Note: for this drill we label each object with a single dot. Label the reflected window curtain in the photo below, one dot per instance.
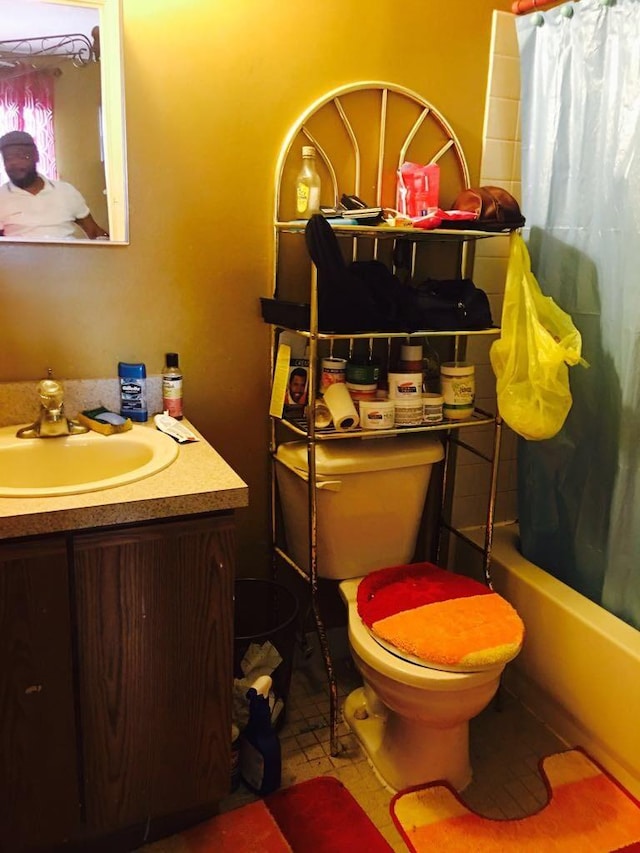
(26, 103)
(579, 493)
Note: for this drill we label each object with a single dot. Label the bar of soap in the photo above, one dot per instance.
(103, 421)
(109, 418)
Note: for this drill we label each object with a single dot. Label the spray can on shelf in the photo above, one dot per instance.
(172, 386)
(260, 757)
(308, 185)
(332, 370)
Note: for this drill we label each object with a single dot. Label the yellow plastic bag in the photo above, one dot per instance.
(530, 359)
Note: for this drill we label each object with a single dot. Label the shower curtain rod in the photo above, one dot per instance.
(521, 7)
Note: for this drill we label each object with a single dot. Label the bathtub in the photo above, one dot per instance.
(579, 669)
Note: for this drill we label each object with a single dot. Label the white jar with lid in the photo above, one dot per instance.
(432, 408)
(377, 414)
(408, 411)
(403, 386)
(457, 381)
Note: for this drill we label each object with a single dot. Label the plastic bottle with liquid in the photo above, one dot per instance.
(410, 358)
(260, 756)
(308, 185)
(172, 386)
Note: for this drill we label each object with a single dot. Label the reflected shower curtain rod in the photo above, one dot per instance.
(77, 47)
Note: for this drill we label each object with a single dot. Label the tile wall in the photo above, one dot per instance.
(500, 167)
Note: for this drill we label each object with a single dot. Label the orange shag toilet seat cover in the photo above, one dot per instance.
(445, 620)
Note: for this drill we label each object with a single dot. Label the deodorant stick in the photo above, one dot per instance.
(133, 391)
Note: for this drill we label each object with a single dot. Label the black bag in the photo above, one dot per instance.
(365, 296)
(362, 296)
(452, 304)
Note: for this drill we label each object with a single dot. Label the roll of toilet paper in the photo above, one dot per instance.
(343, 413)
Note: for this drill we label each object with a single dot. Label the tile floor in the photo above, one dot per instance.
(506, 746)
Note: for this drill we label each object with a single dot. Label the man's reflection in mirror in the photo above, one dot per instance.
(34, 207)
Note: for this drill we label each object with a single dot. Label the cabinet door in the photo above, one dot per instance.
(39, 803)
(155, 668)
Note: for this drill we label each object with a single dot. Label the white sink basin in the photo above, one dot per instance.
(45, 467)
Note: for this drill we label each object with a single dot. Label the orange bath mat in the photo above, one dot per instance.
(587, 812)
(319, 815)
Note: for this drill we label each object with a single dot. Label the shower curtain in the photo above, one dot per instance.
(579, 493)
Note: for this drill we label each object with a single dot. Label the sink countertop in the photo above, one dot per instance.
(198, 481)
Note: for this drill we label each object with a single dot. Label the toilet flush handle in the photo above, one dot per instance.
(329, 485)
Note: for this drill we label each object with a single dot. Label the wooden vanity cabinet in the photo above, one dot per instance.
(154, 630)
(39, 793)
(136, 735)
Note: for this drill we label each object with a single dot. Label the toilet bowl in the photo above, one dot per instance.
(412, 720)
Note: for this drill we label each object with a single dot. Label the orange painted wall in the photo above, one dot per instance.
(212, 88)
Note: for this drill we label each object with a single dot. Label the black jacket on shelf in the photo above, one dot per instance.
(365, 296)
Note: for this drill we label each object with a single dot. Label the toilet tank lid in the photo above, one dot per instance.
(353, 456)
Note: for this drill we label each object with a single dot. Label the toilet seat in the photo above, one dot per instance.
(394, 666)
(407, 656)
(437, 619)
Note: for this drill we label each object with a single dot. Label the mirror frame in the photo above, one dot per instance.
(112, 120)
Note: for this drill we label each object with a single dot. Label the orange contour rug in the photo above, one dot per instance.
(588, 812)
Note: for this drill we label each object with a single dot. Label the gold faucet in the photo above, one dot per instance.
(52, 422)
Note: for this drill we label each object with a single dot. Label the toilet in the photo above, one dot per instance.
(415, 631)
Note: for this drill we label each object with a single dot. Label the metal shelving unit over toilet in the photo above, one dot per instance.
(337, 117)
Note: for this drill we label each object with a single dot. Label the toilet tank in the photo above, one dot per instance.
(370, 496)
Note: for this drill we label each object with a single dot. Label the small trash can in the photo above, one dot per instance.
(266, 612)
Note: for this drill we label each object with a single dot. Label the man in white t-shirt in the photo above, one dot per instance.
(34, 207)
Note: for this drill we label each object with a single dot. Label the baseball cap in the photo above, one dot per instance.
(16, 137)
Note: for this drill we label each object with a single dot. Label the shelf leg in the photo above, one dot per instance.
(313, 561)
(488, 533)
(331, 678)
(446, 503)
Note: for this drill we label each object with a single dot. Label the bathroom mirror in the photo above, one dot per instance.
(76, 47)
